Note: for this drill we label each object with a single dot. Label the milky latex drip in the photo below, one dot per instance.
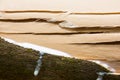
(100, 75)
(67, 24)
(39, 63)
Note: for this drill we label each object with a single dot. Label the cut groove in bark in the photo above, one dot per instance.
(50, 11)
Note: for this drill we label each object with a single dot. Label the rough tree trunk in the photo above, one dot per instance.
(17, 63)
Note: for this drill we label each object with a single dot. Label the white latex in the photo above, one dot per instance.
(39, 48)
(104, 65)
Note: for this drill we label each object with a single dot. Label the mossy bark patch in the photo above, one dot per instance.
(17, 63)
(62, 68)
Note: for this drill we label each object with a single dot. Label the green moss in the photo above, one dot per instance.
(17, 63)
(68, 69)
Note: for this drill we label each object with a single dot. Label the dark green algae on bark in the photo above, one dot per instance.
(18, 63)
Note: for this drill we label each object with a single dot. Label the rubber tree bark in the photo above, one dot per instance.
(17, 63)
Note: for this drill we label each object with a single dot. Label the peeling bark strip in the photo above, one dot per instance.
(17, 63)
(73, 13)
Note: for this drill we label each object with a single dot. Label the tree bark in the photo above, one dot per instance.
(17, 63)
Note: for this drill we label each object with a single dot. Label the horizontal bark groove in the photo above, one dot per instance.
(71, 33)
(99, 43)
(30, 20)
